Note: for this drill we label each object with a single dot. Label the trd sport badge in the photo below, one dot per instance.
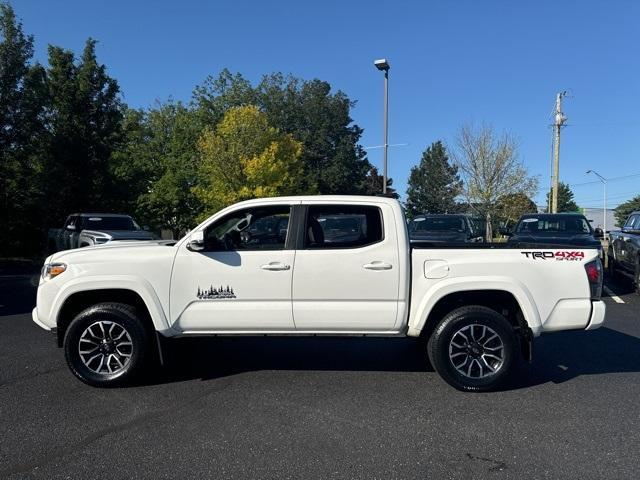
(570, 255)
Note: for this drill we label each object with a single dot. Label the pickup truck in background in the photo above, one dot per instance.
(623, 255)
(315, 265)
(446, 228)
(88, 229)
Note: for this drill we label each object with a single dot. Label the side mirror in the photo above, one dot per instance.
(196, 242)
(71, 227)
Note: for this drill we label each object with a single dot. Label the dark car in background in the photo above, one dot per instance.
(571, 229)
(623, 257)
(446, 228)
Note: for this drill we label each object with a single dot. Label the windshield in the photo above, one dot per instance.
(437, 224)
(543, 225)
(108, 223)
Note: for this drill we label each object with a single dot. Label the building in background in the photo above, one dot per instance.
(596, 218)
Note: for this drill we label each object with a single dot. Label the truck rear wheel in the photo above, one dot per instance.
(106, 345)
(473, 348)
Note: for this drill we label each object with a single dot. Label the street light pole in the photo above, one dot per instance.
(384, 66)
(604, 209)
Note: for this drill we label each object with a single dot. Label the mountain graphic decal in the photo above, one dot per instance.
(212, 293)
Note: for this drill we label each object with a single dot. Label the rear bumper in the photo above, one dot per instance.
(598, 310)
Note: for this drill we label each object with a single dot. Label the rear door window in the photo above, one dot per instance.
(342, 226)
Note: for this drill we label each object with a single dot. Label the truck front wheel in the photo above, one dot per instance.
(473, 348)
(106, 344)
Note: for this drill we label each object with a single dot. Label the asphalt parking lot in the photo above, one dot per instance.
(321, 408)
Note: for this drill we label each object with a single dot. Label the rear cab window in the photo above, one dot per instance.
(342, 226)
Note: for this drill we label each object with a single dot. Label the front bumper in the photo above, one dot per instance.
(598, 310)
(34, 317)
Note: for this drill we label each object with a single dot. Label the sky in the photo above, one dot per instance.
(499, 63)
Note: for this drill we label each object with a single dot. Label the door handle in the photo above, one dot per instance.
(275, 266)
(377, 266)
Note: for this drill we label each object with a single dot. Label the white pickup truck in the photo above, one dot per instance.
(317, 265)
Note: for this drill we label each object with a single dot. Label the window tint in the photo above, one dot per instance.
(251, 229)
(107, 223)
(342, 226)
(633, 223)
(438, 224)
(561, 224)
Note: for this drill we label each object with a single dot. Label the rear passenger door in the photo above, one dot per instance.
(346, 276)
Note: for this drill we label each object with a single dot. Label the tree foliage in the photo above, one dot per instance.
(490, 170)
(623, 210)
(155, 167)
(512, 206)
(373, 184)
(69, 143)
(565, 199)
(22, 93)
(245, 158)
(434, 184)
(332, 160)
(84, 127)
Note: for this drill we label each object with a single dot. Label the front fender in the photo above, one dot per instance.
(134, 283)
(461, 284)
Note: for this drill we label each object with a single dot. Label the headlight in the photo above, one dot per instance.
(51, 270)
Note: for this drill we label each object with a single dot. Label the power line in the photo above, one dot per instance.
(613, 179)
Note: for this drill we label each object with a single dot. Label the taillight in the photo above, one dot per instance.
(594, 275)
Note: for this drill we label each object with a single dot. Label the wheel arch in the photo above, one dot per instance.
(498, 295)
(75, 297)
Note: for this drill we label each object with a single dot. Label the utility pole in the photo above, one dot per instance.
(557, 125)
(383, 65)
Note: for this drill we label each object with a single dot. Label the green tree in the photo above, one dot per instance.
(22, 99)
(332, 160)
(434, 184)
(491, 170)
(245, 158)
(623, 210)
(511, 207)
(565, 199)
(155, 167)
(373, 184)
(85, 125)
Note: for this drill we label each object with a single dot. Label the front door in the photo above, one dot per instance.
(347, 270)
(241, 281)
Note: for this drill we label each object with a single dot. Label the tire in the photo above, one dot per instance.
(114, 341)
(484, 360)
(611, 266)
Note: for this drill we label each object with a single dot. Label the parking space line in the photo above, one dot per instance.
(615, 297)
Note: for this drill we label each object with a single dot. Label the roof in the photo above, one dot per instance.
(325, 198)
(547, 215)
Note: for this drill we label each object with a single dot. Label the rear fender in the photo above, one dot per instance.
(455, 285)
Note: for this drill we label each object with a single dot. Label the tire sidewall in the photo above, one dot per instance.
(452, 323)
(125, 318)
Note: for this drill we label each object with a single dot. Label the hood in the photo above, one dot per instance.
(435, 237)
(111, 250)
(122, 234)
(579, 240)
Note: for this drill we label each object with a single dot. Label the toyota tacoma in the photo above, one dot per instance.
(283, 266)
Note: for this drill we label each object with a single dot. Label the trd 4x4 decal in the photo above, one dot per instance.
(570, 255)
(215, 293)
